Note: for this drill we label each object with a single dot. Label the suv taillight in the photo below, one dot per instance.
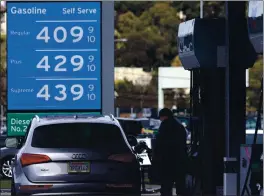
(29, 159)
(125, 158)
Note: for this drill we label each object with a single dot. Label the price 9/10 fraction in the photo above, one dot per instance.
(77, 61)
(76, 90)
(76, 32)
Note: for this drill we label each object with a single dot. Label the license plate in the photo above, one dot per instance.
(78, 167)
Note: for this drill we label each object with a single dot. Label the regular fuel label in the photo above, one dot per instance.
(54, 55)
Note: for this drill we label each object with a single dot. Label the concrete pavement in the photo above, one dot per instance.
(6, 192)
(148, 186)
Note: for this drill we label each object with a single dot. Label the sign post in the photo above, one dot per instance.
(58, 58)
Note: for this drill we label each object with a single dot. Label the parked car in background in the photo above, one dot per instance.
(250, 136)
(185, 120)
(6, 159)
(3, 135)
(251, 123)
(3, 131)
(133, 126)
(2, 141)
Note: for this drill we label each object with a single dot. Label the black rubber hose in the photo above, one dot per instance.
(191, 111)
(258, 123)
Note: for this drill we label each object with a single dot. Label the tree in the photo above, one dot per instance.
(151, 36)
(191, 9)
(151, 29)
(3, 69)
(130, 95)
(3, 55)
(136, 7)
(253, 91)
(176, 62)
(124, 86)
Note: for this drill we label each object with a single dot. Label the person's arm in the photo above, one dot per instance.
(155, 148)
(158, 148)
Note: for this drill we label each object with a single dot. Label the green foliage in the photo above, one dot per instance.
(151, 29)
(137, 95)
(151, 36)
(137, 7)
(176, 62)
(3, 68)
(256, 73)
(124, 86)
(3, 55)
(253, 92)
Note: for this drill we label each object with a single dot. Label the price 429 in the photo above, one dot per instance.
(76, 90)
(77, 61)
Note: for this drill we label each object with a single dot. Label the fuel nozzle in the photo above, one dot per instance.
(141, 147)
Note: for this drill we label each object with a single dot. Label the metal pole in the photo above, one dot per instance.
(201, 9)
(1, 106)
(227, 82)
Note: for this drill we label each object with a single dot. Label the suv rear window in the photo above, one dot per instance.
(79, 135)
(131, 127)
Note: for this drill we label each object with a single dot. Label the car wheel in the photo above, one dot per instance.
(6, 167)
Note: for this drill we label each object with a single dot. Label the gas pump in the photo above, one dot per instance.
(201, 51)
(203, 47)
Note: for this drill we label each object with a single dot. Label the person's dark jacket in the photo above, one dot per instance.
(170, 150)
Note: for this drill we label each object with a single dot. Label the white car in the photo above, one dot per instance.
(3, 130)
(250, 136)
(250, 131)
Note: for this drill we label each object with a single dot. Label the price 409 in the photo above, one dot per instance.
(76, 90)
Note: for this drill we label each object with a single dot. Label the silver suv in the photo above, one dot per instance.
(75, 156)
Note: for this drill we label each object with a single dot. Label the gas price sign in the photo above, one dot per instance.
(54, 55)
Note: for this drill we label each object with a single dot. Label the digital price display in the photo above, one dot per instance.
(54, 55)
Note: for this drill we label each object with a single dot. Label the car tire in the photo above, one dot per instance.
(13, 188)
(6, 168)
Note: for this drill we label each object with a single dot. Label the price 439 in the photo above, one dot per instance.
(76, 91)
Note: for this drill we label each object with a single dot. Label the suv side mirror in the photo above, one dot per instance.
(11, 143)
(132, 140)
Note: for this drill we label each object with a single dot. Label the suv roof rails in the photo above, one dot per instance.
(112, 117)
(37, 118)
(75, 116)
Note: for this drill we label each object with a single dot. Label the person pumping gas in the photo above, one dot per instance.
(170, 154)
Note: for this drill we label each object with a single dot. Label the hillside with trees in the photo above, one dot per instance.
(3, 68)
(151, 30)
